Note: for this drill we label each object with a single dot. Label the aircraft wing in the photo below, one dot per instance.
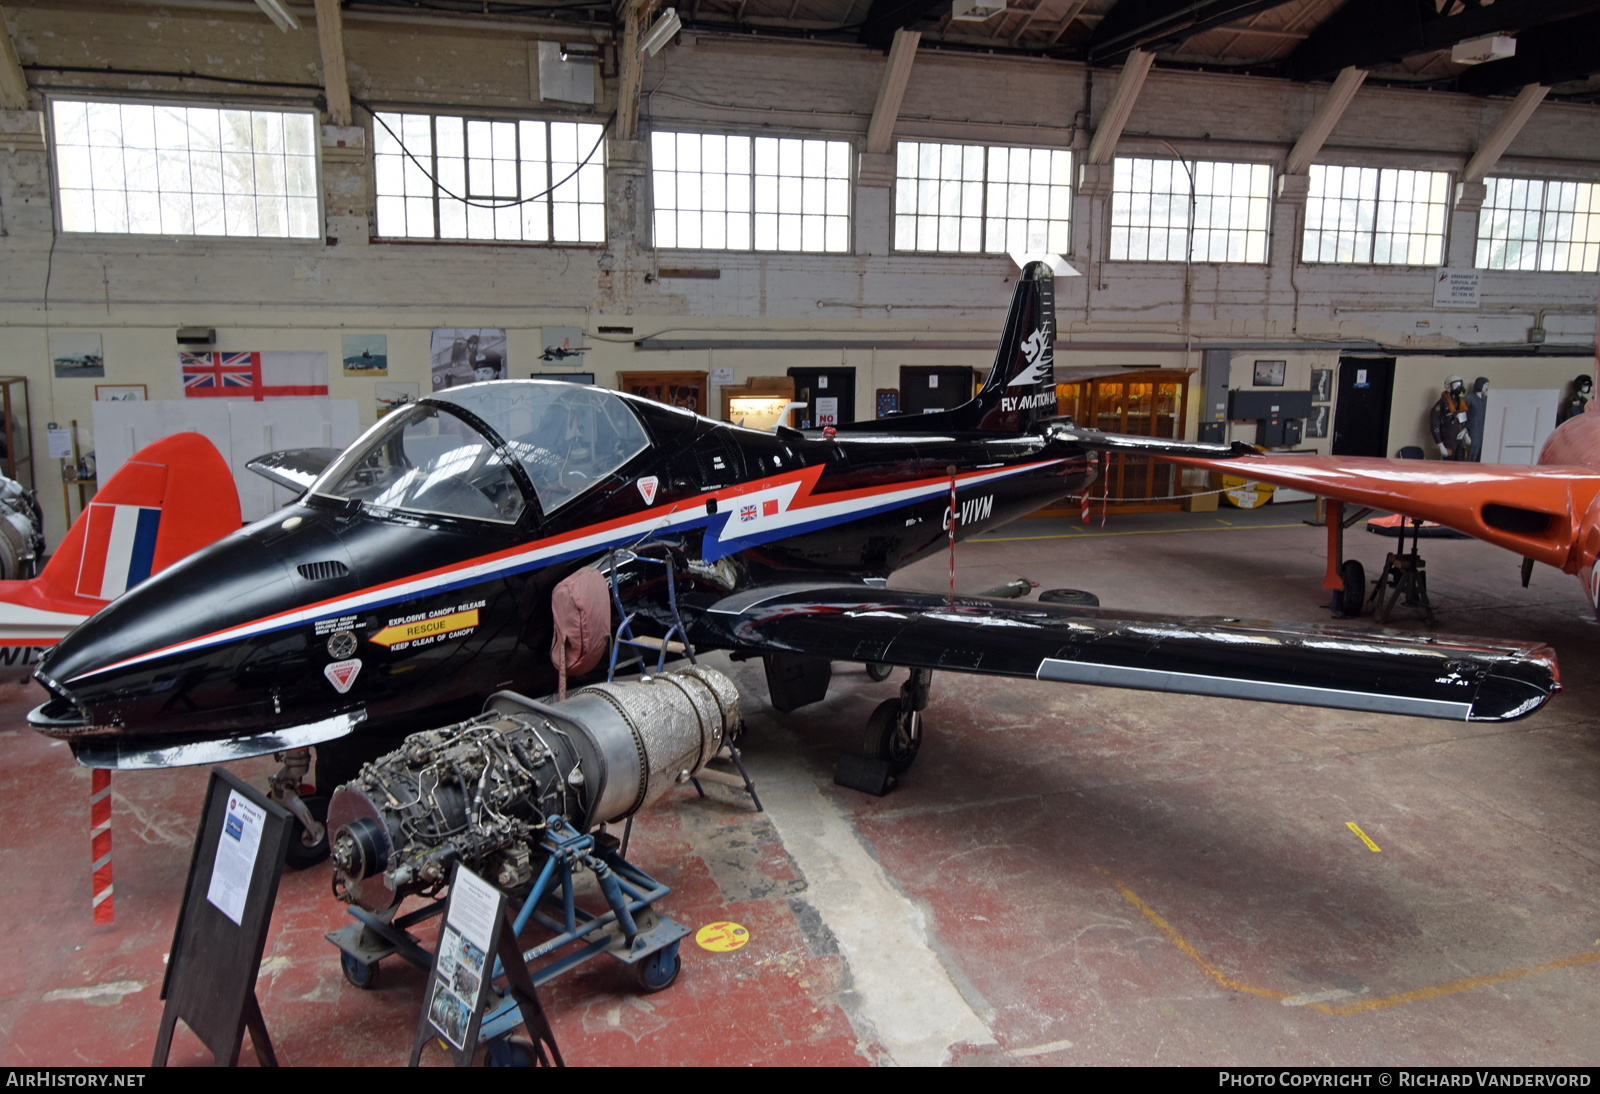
(294, 469)
(1535, 511)
(1472, 679)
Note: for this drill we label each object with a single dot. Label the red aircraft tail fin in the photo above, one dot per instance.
(171, 499)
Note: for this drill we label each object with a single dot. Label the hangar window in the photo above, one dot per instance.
(442, 177)
(1527, 224)
(730, 193)
(146, 169)
(1150, 214)
(1381, 217)
(968, 197)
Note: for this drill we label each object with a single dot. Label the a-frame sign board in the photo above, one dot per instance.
(474, 931)
(222, 923)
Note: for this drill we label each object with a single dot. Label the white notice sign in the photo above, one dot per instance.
(60, 443)
(723, 376)
(236, 856)
(1456, 288)
(827, 411)
(472, 905)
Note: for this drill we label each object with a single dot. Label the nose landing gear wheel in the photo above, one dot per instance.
(303, 853)
(893, 735)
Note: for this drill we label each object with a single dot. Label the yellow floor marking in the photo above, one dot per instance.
(1229, 523)
(1145, 532)
(1387, 1001)
(1366, 839)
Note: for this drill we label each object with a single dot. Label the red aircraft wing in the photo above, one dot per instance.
(1538, 512)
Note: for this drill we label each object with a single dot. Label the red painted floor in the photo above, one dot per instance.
(1105, 877)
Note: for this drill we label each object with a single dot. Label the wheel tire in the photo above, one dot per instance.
(1072, 598)
(658, 972)
(1354, 594)
(893, 736)
(878, 672)
(359, 974)
(302, 854)
(511, 1051)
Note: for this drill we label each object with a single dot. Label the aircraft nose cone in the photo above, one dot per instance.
(221, 586)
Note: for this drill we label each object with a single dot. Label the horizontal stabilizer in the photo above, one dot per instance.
(1534, 511)
(1466, 679)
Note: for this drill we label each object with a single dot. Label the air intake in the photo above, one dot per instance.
(322, 571)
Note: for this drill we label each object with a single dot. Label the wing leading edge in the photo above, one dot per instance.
(1471, 679)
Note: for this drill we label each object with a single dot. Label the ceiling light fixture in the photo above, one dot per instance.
(661, 32)
(279, 13)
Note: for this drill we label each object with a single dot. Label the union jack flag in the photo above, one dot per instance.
(209, 372)
(747, 512)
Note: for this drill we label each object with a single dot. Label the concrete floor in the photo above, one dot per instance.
(1068, 875)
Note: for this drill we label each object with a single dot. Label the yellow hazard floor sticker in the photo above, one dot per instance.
(721, 937)
(1366, 839)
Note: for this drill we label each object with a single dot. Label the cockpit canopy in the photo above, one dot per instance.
(428, 458)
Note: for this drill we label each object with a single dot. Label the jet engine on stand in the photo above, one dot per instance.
(482, 792)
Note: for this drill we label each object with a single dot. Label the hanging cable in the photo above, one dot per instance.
(431, 177)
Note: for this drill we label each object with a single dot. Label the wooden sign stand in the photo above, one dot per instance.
(475, 929)
(222, 923)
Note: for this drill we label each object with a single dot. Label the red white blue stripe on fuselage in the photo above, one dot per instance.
(798, 511)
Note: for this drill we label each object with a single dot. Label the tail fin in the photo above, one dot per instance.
(1021, 389)
(171, 499)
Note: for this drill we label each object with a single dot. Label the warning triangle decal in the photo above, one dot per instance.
(342, 674)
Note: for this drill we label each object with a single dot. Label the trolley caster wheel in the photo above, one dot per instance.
(1354, 593)
(878, 672)
(658, 971)
(302, 853)
(511, 1051)
(359, 973)
(894, 735)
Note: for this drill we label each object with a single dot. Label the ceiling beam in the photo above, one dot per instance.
(630, 68)
(1504, 132)
(13, 84)
(1365, 33)
(1154, 25)
(1134, 70)
(1550, 54)
(335, 81)
(892, 89)
(1327, 115)
(887, 16)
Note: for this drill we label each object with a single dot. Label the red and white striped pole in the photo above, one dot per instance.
(100, 844)
(952, 470)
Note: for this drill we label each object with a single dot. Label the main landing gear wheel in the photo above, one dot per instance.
(304, 852)
(1354, 593)
(878, 672)
(893, 735)
(658, 971)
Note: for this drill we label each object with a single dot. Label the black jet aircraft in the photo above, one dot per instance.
(414, 576)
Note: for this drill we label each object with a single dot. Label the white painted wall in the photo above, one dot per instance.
(303, 295)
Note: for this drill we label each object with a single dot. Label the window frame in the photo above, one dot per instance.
(1447, 205)
(1481, 241)
(1190, 166)
(850, 181)
(104, 238)
(514, 119)
(984, 184)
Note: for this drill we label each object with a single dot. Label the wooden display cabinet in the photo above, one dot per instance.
(1146, 404)
(685, 389)
(759, 402)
